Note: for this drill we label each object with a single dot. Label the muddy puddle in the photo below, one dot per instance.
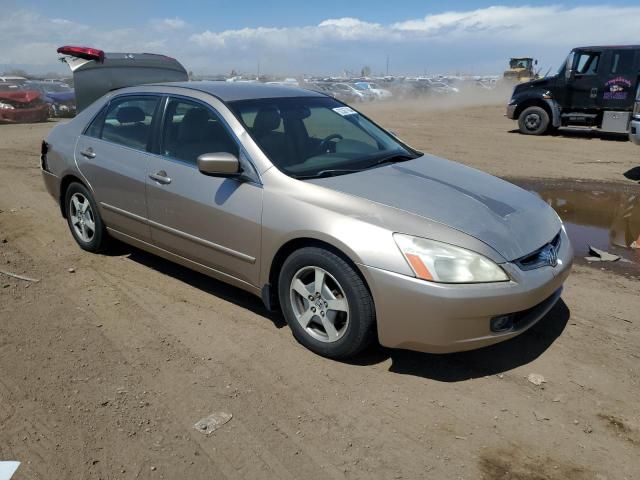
(603, 215)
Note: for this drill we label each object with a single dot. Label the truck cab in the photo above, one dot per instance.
(595, 87)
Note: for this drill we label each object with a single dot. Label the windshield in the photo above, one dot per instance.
(309, 136)
(520, 63)
(567, 65)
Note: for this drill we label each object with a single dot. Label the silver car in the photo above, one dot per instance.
(299, 199)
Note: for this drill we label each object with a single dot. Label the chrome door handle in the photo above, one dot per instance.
(89, 153)
(160, 177)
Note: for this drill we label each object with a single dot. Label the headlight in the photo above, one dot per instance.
(441, 262)
(6, 106)
(636, 109)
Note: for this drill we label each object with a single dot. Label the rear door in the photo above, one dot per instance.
(585, 88)
(620, 79)
(214, 221)
(113, 155)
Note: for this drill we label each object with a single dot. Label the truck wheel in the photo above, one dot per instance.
(533, 121)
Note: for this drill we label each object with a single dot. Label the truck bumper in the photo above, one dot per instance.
(511, 111)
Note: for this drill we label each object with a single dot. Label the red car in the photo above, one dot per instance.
(22, 106)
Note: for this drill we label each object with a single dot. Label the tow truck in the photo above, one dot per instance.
(596, 87)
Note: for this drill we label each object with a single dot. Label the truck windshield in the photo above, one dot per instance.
(313, 136)
(567, 64)
(520, 63)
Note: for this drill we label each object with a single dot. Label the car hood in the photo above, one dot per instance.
(511, 220)
(20, 96)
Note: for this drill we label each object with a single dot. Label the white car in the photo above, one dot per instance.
(634, 131)
(374, 89)
(634, 128)
(12, 79)
(351, 91)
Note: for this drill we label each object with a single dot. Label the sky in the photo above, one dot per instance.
(315, 37)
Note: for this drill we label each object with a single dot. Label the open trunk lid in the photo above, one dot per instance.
(96, 73)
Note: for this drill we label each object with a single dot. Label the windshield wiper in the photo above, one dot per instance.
(395, 158)
(331, 172)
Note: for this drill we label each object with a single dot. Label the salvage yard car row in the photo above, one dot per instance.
(29, 101)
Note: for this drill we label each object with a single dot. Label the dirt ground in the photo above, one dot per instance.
(105, 368)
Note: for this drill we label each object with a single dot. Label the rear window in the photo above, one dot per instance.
(622, 61)
(125, 121)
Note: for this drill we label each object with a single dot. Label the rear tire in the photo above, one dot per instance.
(335, 319)
(533, 121)
(84, 219)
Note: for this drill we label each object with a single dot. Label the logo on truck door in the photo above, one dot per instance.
(617, 88)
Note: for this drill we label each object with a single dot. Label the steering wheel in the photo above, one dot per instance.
(322, 147)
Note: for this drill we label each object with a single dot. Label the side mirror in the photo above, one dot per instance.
(220, 163)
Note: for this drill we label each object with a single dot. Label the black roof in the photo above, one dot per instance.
(232, 91)
(610, 47)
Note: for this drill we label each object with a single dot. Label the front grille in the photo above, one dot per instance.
(539, 258)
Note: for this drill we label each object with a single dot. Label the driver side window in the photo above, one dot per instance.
(587, 63)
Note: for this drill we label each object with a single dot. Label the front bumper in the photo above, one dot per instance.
(511, 111)
(442, 318)
(634, 131)
(63, 110)
(25, 115)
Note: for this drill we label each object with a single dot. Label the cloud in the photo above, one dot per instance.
(474, 41)
(168, 24)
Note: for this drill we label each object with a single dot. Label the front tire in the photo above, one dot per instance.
(84, 219)
(533, 121)
(326, 303)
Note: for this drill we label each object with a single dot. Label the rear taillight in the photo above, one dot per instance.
(82, 52)
(44, 149)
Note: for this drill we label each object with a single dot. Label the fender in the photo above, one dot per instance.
(533, 96)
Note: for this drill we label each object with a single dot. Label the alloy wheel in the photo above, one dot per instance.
(319, 304)
(82, 218)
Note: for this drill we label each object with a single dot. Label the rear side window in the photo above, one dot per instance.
(191, 129)
(622, 61)
(126, 121)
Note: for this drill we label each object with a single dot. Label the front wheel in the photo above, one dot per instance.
(326, 304)
(533, 121)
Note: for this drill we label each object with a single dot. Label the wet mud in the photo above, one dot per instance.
(602, 215)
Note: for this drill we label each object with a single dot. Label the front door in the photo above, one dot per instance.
(214, 221)
(112, 155)
(585, 88)
(620, 79)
